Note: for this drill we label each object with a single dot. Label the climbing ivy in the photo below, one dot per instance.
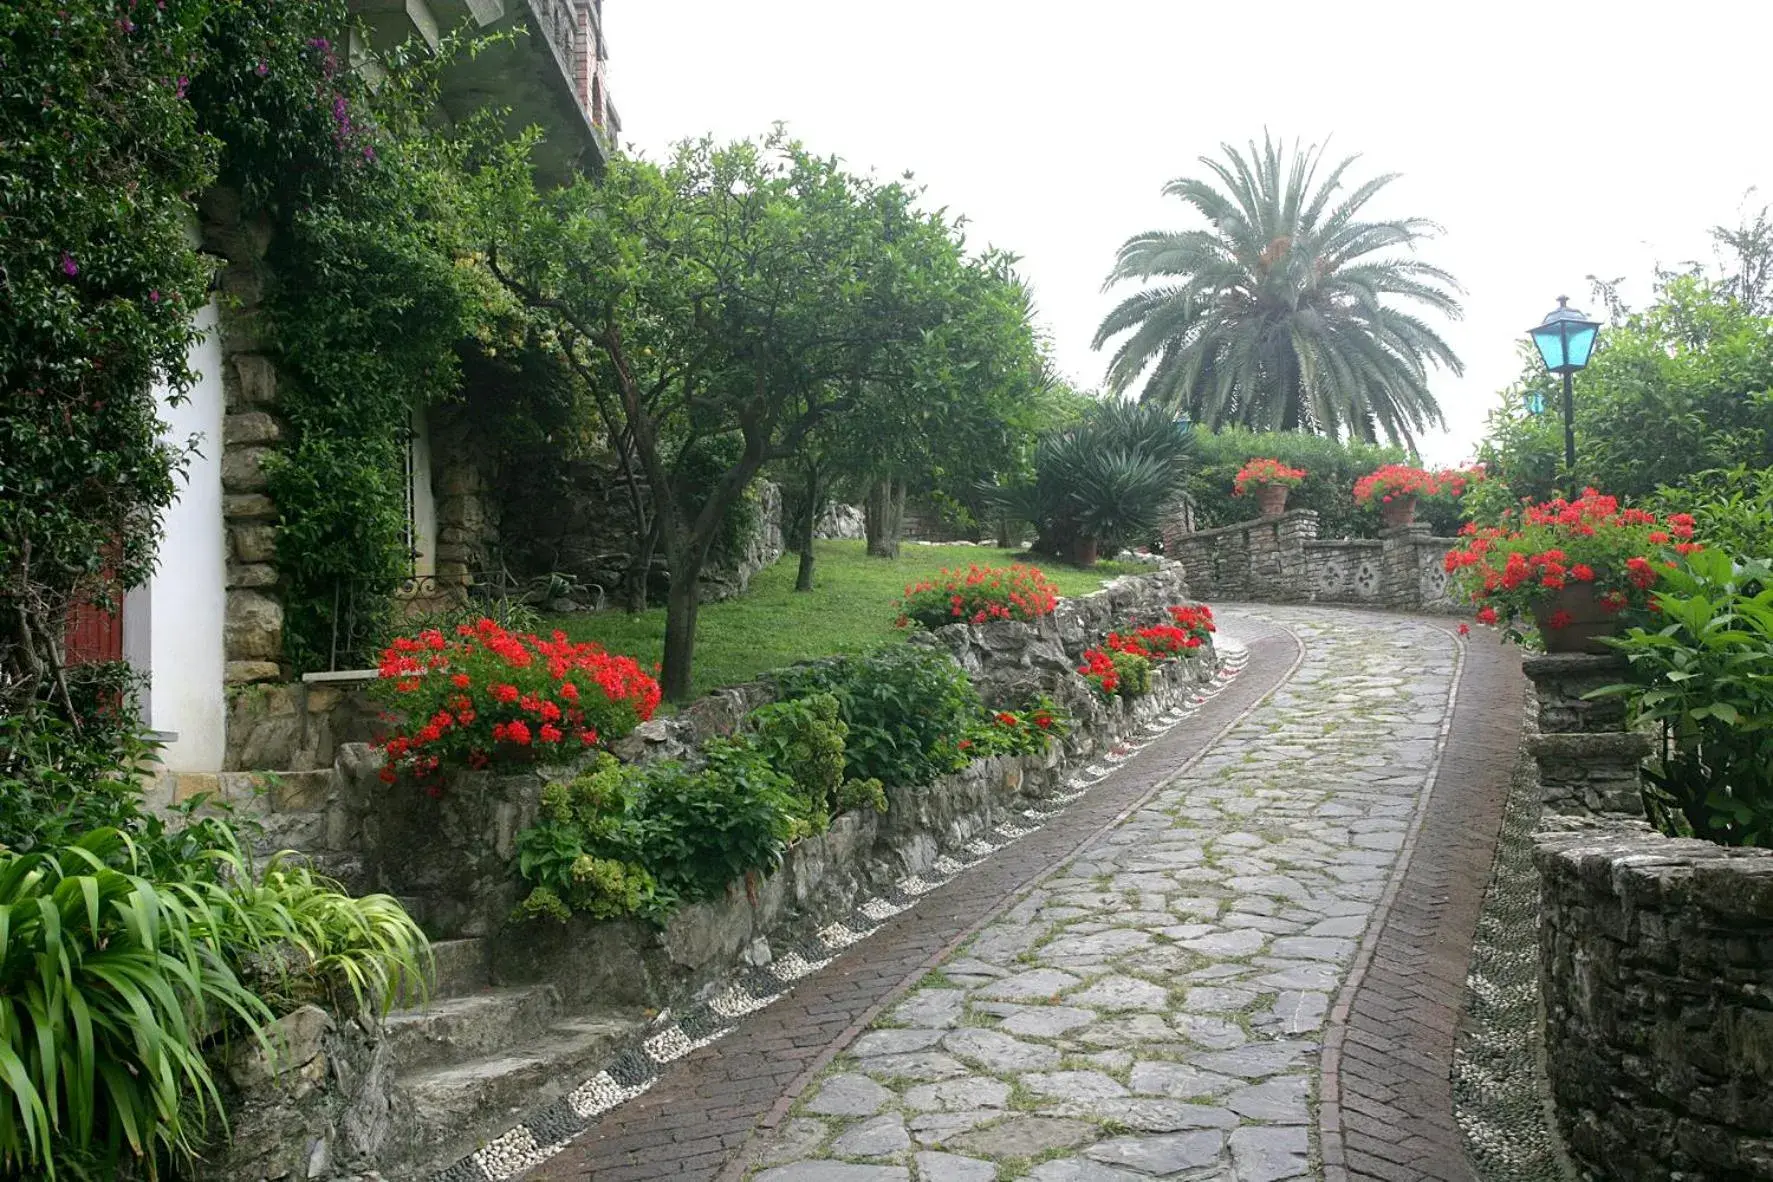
(100, 154)
(368, 294)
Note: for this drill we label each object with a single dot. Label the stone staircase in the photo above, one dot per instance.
(475, 1058)
(472, 1058)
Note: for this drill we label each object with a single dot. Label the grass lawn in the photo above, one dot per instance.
(850, 609)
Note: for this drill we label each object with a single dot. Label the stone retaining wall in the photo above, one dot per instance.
(1657, 973)
(1282, 560)
(450, 857)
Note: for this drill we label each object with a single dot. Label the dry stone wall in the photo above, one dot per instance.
(1656, 961)
(1282, 560)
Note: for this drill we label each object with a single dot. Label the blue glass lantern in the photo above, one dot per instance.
(1183, 423)
(1535, 402)
(1565, 338)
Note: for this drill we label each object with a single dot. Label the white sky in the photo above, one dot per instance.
(1552, 140)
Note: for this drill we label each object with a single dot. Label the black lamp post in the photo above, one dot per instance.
(1565, 340)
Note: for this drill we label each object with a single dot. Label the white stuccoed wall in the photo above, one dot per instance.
(172, 628)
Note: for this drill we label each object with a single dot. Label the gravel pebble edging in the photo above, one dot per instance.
(551, 1128)
(1499, 1096)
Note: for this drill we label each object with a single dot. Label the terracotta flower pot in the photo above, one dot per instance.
(1399, 511)
(1585, 621)
(1083, 551)
(1271, 499)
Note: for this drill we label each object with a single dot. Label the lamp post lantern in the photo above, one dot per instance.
(1565, 340)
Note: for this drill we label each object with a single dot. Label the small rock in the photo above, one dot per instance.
(879, 1137)
(1161, 1155)
(949, 1167)
(849, 1095)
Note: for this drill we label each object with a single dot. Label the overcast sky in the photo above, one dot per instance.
(1601, 144)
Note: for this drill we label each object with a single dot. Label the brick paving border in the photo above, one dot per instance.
(696, 1122)
(1385, 1094)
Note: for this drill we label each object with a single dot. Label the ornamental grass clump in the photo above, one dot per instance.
(123, 972)
(1518, 568)
(1265, 473)
(977, 595)
(488, 694)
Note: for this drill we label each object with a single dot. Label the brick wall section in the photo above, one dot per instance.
(1655, 959)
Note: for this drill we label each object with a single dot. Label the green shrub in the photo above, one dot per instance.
(1109, 479)
(1732, 509)
(117, 978)
(1331, 468)
(907, 709)
(1706, 679)
(624, 839)
(804, 739)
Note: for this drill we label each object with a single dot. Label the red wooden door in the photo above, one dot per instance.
(94, 634)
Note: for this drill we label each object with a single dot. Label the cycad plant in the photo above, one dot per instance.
(1104, 483)
(1290, 310)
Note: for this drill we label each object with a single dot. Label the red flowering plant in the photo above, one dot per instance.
(487, 693)
(977, 595)
(1118, 670)
(1394, 482)
(1259, 472)
(1027, 731)
(1541, 551)
(1196, 619)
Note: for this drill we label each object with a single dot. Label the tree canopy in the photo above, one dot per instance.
(1290, 310)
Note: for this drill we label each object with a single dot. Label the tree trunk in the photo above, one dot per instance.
(883, 517)
(1004, 541)
(682, 602)
(812, 502)
(640, 570)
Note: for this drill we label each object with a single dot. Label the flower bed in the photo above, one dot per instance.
(488, 694)
(977, 595)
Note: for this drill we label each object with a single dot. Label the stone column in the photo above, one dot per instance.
(1399, 577)
(251, 434)
(1588, 761)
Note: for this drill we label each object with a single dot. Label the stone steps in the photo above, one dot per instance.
(460, 1106)
(453, 1029)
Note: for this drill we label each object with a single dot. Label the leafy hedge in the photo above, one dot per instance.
(1331, 468)
(98, 283)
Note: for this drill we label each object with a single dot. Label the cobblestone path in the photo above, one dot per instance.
(1156, 1005)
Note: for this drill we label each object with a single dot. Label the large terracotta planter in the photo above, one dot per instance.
(1083, 551)
(1397, 512)
(1271, 499)
(1588, 621)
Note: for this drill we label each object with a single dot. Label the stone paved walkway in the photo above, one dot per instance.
(1154, 1002)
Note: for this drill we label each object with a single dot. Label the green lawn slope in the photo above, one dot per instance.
(850, 609)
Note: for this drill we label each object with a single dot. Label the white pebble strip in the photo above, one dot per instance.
(838, 935)
(668, 1045)
(792, 966)
(503, 1156)
(736, 1002)
(881, 910)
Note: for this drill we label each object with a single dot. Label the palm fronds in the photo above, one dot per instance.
(1289, 312)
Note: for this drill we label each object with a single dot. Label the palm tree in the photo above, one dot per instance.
(1285, 313)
